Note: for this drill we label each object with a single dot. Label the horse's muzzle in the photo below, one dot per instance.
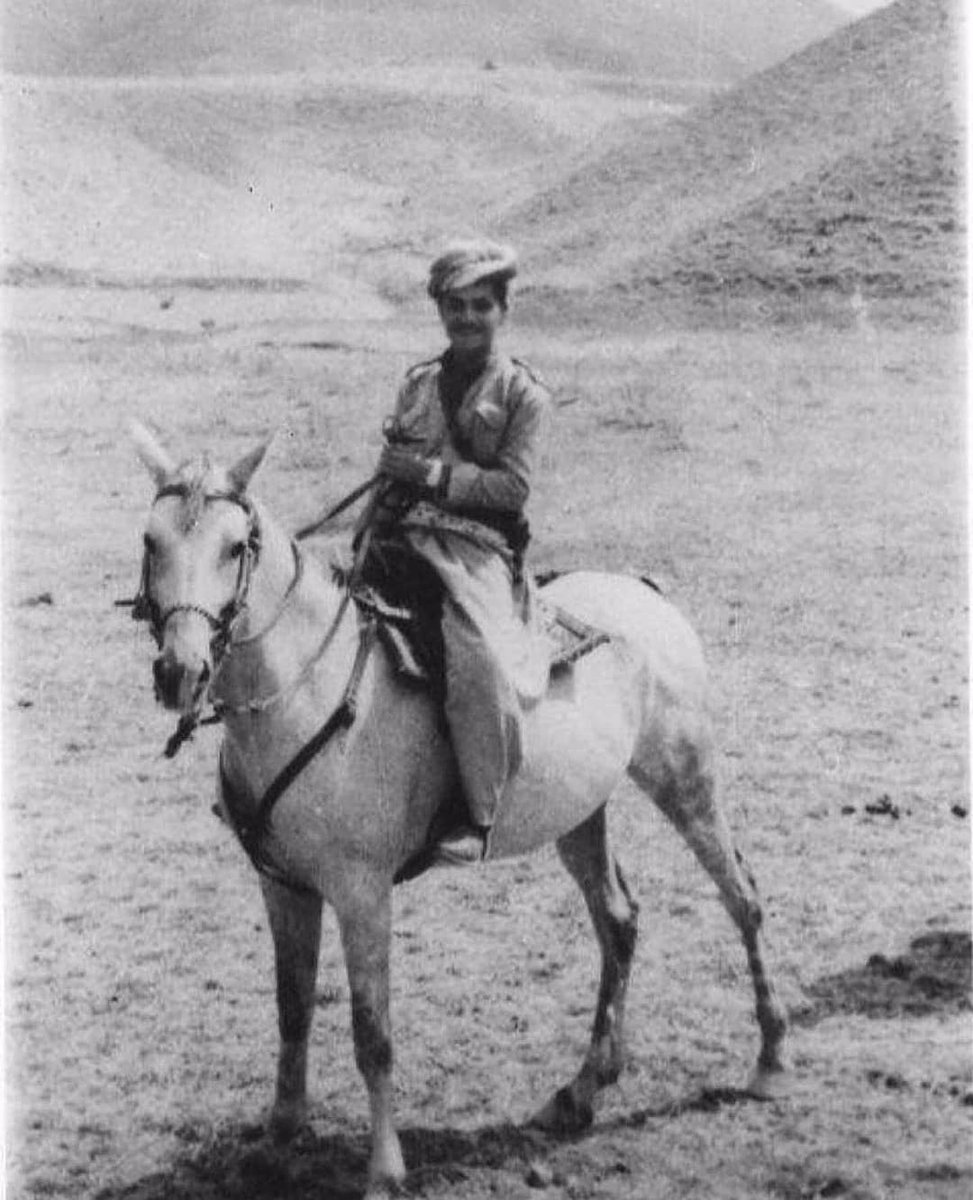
(180, 685)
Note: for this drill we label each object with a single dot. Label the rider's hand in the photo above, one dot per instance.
(407, 467)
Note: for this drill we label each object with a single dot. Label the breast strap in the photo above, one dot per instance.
(253, 833)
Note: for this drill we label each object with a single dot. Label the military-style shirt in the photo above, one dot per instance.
(489, 434)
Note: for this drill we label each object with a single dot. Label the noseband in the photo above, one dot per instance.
(146, 608)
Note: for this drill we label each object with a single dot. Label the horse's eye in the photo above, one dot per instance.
(237, 549)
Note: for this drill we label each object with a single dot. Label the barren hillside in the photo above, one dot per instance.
(838, 170)
(718, 40)
(210, 159)
(340, 185)
(255, 144)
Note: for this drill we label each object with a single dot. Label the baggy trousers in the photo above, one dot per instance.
(496, 663)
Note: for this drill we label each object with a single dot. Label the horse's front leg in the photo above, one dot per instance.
(365, 920)
(295, 923)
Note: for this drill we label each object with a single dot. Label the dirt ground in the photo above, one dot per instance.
(743, 302)
(799, 492)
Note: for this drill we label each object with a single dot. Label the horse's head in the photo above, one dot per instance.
(201, 541)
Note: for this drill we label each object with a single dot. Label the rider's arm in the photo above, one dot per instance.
(506, 440)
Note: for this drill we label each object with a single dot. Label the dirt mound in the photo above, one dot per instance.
(934, 976)
(837, 170)
(720, 40)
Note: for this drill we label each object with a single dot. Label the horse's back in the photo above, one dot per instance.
(634, 611)
(597, 715)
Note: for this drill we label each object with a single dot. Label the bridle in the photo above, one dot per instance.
(223, 624)
(251, 830)
(146, 608)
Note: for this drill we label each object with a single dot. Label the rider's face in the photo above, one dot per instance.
(471, 317)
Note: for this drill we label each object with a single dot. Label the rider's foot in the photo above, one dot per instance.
(463, 847)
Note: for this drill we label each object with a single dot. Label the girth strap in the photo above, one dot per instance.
(251, 834)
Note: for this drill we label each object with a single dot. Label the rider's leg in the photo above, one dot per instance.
(494, 665)
(483, 715)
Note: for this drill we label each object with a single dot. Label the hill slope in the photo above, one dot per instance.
(838, 169)
(277, 177)
(834, 173)
(718, 40)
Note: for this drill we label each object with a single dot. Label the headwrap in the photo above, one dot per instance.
(465, 263)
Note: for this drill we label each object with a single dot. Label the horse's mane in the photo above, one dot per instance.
(199, 478)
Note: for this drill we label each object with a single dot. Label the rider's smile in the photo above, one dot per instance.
(471, 317)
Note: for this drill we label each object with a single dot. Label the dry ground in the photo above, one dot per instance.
(226, 254)
(799, 493)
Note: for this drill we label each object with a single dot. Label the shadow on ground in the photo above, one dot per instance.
(240, 1162)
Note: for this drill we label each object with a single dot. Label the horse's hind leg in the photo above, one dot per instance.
(295, 923)
(587, 855)
(689, 801)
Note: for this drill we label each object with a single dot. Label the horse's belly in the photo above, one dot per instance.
(577, 745)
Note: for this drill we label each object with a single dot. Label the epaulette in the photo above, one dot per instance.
(422, 366)
(535, 376)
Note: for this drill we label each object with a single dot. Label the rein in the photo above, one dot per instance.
(251, 833)
(145, 607)
(267, 702)
(307, 531)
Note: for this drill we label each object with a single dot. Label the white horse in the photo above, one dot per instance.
(242, 620)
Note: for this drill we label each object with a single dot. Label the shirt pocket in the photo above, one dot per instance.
(488, 427)
(416, 422)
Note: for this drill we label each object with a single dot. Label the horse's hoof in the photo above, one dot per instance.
(769, 1083)
(286, 1121)
(564, 1113)
(385, 1190)
(386, 1171)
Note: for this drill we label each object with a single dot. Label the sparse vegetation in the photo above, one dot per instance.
(746, 313)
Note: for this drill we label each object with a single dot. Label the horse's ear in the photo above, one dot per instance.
(151, 454)
(243, 471)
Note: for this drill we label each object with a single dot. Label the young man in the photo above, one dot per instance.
(462, 447)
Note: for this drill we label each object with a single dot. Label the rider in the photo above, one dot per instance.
(461, 449)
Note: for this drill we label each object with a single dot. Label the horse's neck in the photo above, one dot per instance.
(285, 623)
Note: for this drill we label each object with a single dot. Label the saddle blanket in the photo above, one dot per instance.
(417, 654)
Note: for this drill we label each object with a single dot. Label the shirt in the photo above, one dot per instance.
(490, 439)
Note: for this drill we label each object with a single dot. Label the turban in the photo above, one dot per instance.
(466, 263)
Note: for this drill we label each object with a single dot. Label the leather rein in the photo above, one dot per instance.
(144, 607)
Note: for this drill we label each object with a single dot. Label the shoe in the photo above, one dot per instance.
(463, 847)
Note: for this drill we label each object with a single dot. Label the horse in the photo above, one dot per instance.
(245, 621)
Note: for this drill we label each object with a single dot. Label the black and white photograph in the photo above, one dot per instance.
(484, 541)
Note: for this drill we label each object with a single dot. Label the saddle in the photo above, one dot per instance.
(404, 610)
(403, 594)
(402, 598)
